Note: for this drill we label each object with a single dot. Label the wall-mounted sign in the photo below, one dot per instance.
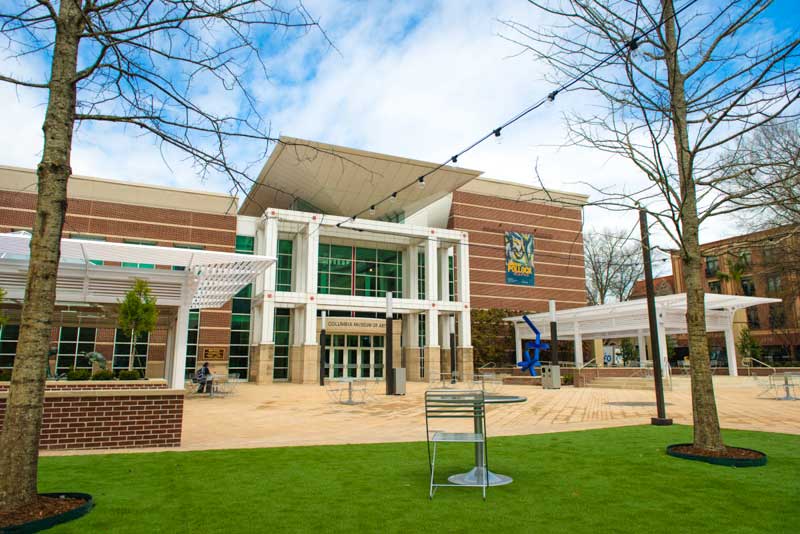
(519, 259)
(355, 325)
(213, 355)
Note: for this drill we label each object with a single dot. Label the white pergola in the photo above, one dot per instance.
(629, 319)
(190, 279)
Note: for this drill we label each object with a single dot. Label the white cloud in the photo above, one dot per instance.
(423, 93)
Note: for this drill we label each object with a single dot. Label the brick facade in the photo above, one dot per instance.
(558, 256)
(124, 418)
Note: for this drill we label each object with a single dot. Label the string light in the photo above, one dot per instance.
(629, 47)
(372, 210)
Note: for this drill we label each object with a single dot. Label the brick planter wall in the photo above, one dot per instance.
(93, 385)
(97, 419)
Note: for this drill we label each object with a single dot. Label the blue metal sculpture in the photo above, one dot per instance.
(530, 364)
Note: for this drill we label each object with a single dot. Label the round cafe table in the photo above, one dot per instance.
(475, 475)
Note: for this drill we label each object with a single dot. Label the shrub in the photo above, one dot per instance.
(5, 375)
(129, 375)
(79, 374)
(567, 380)
(103, 375)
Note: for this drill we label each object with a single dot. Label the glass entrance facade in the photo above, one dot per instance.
(354, 356)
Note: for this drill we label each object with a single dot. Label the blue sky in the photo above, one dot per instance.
(418, 78)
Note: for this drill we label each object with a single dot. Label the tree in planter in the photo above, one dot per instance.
(630, 353)
(675, 89)
(148, 67)
(137, 314)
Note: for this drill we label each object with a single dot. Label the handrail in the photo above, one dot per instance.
(748, 361)
(487, 365)
(587, 364)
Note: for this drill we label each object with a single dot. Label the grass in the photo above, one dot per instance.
(598, 481)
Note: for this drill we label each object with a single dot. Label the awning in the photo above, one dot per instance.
(197, 278)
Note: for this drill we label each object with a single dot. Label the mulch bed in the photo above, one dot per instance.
(42, 508)
(730, 452)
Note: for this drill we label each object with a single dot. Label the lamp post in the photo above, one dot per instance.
(553, 334)
(322, 348)
(661, 419)
(389, 345)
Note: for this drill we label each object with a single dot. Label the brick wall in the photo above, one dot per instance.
(94, 385)
(126, 418)
(558, 257)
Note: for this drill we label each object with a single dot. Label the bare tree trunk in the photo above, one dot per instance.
(706, 421)
(133, 351)
(19, 441)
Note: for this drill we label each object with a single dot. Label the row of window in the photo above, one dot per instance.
(777, 317)
(749, 287)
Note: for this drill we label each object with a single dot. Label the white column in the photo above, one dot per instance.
(311, 252)
(266, 312)
(444, 296)
(170, 351)
(662, 344)
(730, 347)
(518, 341)
(578, 345)
(431, 293)
(462, 292)
(642, 350)
(179, 348)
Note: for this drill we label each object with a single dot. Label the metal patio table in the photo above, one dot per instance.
(349, 380)
(788, 385)
(475, 475)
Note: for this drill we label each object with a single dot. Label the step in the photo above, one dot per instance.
(621, 383)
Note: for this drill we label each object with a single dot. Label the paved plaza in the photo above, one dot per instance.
(290, 414)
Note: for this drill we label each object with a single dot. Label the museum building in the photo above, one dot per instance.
(451, 243)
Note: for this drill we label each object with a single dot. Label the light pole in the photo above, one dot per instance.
(452, 322)
(322, 348)
(389, 345)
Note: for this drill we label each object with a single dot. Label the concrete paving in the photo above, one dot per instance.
(291, 415)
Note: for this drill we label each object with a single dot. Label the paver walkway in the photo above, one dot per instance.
(289, 414)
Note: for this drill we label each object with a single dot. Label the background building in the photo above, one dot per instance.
(447, 249)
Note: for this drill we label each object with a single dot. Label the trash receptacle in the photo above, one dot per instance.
(551, 377)
(399, 377)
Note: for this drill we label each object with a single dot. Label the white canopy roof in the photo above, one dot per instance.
(629, 318)
(207, 279)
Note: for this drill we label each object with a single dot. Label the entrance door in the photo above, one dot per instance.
(354, 356)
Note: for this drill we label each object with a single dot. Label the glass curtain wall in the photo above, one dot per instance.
(239, 345)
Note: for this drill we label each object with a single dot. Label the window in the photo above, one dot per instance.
(777, 315)
(378, 272)
(421, 275)
(753, 321)
(280, 369)
(134, 265)
(748, 287)
(245, 244)
(714, 286)
(771, 254)
(283, 279)
(73, 345)
(451, 276)
(122, 351)
(335, 269)
(746, 258)
(9, 335)
(191, 342)
(421, 342)
(774, 284)
(86, 237)
(712, 266)
(183, 245)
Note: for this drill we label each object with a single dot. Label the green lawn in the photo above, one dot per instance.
(612, 480)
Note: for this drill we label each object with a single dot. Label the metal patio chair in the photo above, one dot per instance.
(456, 404)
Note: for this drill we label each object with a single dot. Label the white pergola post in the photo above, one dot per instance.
(730, 346)
(662, 344)
(578, 345)
(518, 340)
(444, 296)
(178, 366)
(642, 349)
(266, 316)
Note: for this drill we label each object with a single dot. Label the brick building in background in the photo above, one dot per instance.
(759, 264)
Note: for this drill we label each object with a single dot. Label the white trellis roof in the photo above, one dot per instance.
(629, 318)
(208, 279)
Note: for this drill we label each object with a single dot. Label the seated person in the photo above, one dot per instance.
(204, 378)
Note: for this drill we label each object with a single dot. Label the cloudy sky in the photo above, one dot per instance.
(418, 78)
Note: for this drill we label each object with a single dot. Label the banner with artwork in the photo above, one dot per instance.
(519, 259)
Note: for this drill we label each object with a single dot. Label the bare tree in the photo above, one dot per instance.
(767, 165)
(141, 64)
(613, 264)
(674, 88)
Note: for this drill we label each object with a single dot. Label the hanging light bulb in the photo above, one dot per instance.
(372, 210)
(454, 159)
(497, 137)
(393, 198)
(552, 96)
(421, 182)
